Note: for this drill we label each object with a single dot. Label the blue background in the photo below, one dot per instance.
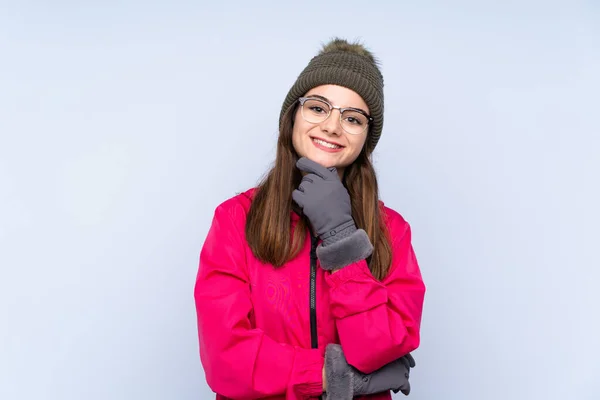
(124, 123)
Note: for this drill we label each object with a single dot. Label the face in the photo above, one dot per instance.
(326, 142)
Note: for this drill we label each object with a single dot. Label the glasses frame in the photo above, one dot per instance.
(303, 100)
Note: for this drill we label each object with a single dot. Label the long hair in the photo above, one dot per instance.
(269, 226)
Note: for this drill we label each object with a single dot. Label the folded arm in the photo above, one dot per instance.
(384, 316)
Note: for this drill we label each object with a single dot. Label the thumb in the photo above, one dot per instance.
(406, 389)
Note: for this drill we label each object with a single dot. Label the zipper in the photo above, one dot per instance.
(313, 292)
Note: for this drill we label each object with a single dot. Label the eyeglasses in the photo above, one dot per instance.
(353, 120)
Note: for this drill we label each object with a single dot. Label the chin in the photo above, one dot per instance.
(324, 160)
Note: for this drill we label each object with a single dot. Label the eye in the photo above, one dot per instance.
(354, 121)
(354, 118)
(316, 107)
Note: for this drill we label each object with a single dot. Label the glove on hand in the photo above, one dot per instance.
(344, 381)
(326, 203)
(323, 199)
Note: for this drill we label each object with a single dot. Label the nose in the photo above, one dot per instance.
(332, 124)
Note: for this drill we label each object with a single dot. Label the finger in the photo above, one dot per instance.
(406, 389)
(302, 186)
(411, 360)
(310, 178)
(405, 362)
(307, 165)
(298, 197)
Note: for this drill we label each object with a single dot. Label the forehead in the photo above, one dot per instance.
(340, 96)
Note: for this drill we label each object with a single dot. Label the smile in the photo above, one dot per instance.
(326, 144)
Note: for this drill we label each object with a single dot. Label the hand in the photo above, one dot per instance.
(324, 200)
(394, 374)
(345, 381)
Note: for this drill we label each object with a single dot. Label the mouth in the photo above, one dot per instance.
(326, 144)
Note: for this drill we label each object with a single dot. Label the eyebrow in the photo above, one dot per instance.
(329, 101)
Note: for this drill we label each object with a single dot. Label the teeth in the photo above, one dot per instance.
(330, 145)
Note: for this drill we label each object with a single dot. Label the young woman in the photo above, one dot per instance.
(308, 285)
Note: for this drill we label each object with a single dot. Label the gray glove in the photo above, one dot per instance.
(344, 381)
(326, 203)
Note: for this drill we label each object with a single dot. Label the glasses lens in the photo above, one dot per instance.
(354, 122)
(315, 111)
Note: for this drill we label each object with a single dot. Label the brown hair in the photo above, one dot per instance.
(268, 226)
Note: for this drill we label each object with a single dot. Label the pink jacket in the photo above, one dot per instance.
(263, 331)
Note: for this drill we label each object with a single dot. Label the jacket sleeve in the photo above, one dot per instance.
(385, 314)
(239, 360)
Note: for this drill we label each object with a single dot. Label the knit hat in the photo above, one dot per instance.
(349, 65)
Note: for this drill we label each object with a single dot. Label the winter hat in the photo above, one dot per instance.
(349, 65)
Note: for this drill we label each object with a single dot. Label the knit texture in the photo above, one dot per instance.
(348, 65)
